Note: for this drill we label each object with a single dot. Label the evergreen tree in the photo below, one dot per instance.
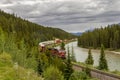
(73, 55)
(111, 43)
(2, 40)
(116, 39)
(20, 38)
(39, 67)
(62, 46)
(68, 69)
(42, 63)
(89, 60)
(102, 62)
(109, 36)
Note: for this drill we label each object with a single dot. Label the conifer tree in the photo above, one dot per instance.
(39, 67)
(109, 36)
(68, 69)
(62, 46)
(103, 62)
(42, 63)
(111, 43)
(2, 40)
(73, 55)
(89, 60)
(116, 39)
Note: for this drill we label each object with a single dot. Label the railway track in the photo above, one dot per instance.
(97, 73)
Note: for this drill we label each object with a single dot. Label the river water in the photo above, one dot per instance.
(81, 54)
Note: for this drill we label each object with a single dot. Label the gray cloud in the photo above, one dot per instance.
(70, 15)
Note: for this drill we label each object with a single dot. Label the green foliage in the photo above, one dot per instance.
(116, 40)
(89, 60)
(59, 63)
(62, 46)
(73, 55)
(102, 62)
(42, 63)
(2, 40)
(87, 71)
(68, 69)
(53, 73)
(20, 39)
(116, 72)
(19, 51)
(5, 59)
(108, 36)
(32, 33)
(79, 76)
(10, 71)
(31, 63)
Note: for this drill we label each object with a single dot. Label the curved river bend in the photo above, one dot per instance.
(81, 54)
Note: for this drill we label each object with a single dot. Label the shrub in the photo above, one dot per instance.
(78, 76)
(53, 73)
(5, 59)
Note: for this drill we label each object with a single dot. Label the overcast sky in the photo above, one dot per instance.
(69, 15)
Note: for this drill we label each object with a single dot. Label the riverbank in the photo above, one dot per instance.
(81, 55)
(115, 52)
(106, 50)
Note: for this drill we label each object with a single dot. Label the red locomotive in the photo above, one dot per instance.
(55, 52)
(58, 53)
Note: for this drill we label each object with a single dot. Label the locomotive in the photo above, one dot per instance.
(43, 46)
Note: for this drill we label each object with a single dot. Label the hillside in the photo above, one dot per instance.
(108, 36)
(11, 71)
(10, 23)
(19, 38)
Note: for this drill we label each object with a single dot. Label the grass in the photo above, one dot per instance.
(12, 71)
(116, 72)
(117, 50)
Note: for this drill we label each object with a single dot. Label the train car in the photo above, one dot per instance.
(58, 53)
(54, 52)
(43, 45)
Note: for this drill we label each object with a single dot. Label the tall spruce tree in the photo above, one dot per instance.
(116, 40)
(73, 55)
(89, 60)
(62, 46)
(68, 69)
(103, 62)
(111, 43)
(39, 67)
(2, 40)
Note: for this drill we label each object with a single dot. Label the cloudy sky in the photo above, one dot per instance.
(70, 15)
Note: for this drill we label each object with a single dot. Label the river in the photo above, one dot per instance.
(81, 54)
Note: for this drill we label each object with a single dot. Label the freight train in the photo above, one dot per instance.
(43, 46)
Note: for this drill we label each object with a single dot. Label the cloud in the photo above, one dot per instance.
(70, 15)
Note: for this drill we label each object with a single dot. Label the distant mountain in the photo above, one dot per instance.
(91, 29)
(77, 34)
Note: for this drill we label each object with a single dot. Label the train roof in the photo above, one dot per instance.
(46, 43)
